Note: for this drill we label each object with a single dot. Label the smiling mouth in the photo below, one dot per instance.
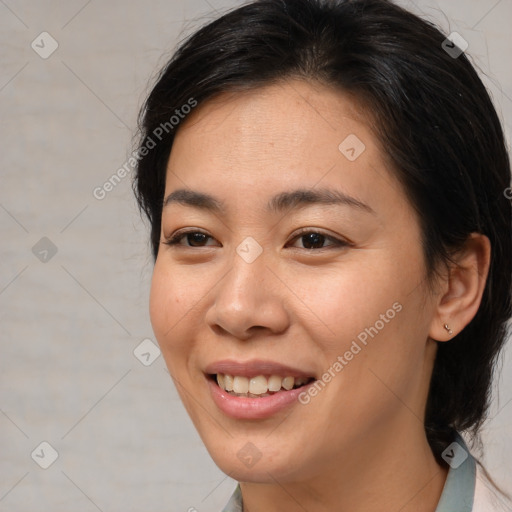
(258, 386)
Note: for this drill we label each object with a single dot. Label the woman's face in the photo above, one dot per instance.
(326, 285)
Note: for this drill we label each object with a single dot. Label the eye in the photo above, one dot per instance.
(196, 238)
(312, 239)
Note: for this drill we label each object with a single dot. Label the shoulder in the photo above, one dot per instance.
(487, 498)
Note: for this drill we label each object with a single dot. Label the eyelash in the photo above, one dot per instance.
(177, 237)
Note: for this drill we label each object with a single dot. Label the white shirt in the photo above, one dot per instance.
(486, 498)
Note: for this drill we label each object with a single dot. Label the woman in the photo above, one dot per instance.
(325, 185)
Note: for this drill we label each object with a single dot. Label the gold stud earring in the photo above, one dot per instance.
(450, 332)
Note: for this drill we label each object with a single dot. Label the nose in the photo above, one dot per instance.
(249, 298)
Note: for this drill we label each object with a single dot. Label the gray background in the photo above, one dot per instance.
(70, 321)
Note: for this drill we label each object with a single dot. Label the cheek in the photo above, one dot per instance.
(160, 303)
(170, 309)
(172, 296)
(343, 302)
(367, 311)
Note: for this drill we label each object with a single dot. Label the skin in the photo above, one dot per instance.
(359, 445)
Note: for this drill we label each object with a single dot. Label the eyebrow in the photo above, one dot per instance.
(294, 199)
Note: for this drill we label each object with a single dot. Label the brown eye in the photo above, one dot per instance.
(315, 240)
(194, 238)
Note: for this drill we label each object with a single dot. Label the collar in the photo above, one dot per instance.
(458, 490)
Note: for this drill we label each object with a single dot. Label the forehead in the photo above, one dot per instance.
(278, 137)
(291, 110)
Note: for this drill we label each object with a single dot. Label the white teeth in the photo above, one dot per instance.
(228, 382)
(240, 384)
(288, 383)
(258, 386)
(274, 383)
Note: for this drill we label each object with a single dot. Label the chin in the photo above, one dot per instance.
(244, 462)
(261, 472)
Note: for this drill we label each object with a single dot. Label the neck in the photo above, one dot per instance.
(394, 471)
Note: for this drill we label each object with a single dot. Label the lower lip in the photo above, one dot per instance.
(246, 408)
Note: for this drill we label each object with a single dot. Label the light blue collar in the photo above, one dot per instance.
(458, 490)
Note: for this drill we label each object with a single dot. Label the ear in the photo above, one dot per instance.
(461, 292)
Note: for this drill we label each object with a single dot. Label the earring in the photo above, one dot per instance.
(450, 332)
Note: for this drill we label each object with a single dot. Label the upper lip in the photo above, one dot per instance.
(255, 367)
